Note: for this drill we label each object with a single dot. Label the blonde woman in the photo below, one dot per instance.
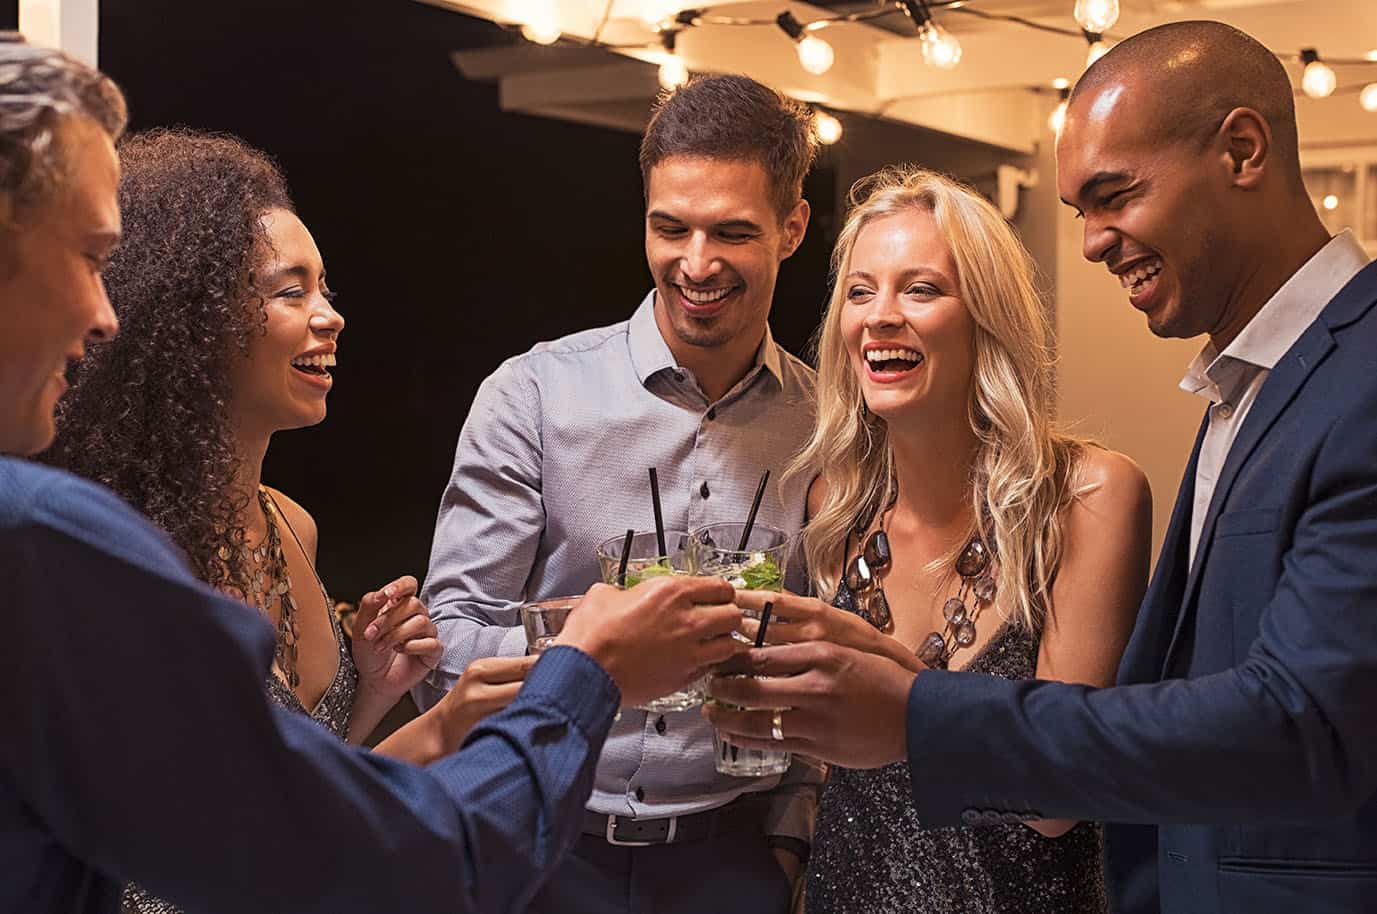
(953, 526)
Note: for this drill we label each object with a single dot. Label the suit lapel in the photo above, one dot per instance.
(1162, 603)
(1280, 388)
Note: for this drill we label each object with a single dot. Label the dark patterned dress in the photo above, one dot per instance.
(332, 712)
(871, 855)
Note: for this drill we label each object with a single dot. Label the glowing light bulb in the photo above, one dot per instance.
(1368, 97)
(815, 55)
(1318, 80)
(1370, 55)
(1330, 202)
(1061, 82)
(828, 127)
(1096, 16)
(539, 22)
(673, 73)
(1058, 118)
(1096, 51)
(940, 47)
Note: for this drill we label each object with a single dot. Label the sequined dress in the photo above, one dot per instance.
(331, 712)
(871, 855)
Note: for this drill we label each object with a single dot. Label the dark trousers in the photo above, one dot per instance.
(727, 874)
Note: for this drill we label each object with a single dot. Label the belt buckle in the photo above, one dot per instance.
(614, 840)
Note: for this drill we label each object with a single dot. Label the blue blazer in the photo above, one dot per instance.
(1242, 737)
(136, 743)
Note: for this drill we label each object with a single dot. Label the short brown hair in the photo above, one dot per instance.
(737, 118)
(39, 89)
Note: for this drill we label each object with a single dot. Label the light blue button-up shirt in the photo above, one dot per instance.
(552, 461)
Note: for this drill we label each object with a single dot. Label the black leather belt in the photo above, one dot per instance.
(746, 813)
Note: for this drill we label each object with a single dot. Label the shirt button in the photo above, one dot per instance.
(1225, 410)
(703, 489)
(661, 726)
(712, 413)
(679, 376)
(640, 794)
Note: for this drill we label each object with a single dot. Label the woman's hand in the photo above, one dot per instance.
(795, 619)
(395, 643)
(487, 686)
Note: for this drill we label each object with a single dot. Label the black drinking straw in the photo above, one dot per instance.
(659, 517)
(755, 506)
(764, 621)
(626, 557)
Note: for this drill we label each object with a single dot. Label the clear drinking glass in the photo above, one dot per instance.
(645, 561)
(735, 760)
(544, 620)
(758, 564)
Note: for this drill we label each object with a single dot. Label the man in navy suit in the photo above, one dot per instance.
(1242, 737)
(138, 743)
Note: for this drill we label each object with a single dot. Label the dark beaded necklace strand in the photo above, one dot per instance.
(973, 566)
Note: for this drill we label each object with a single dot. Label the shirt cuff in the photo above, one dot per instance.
(574, 682)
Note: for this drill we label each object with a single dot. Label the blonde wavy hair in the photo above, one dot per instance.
(1023, 474)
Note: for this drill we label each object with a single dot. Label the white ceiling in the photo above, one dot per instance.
(987, 97)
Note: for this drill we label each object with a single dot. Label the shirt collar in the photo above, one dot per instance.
(650, 354)
(1280, 322)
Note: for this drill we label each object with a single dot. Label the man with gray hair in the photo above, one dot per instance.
(114, 653)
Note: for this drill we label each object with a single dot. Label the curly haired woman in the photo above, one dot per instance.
(228, 335)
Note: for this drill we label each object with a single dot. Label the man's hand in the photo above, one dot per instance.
(658, 636)
(845, 706)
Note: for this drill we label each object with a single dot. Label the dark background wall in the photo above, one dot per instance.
(456, 235)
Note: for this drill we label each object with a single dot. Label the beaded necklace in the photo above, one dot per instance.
(269, 580)
(973, 567)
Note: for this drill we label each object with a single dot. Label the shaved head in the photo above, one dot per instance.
(1192, 74)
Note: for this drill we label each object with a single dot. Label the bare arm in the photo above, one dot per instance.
(1107, 536)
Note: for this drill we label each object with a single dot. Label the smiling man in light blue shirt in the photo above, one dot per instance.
(552, 460)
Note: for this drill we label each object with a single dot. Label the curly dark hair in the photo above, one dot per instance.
(147, 414)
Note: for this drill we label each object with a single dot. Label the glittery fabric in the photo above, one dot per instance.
(332, 712)
(872, 855)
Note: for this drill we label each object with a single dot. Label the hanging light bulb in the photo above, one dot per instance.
(1096, 16)
(828, 127)
(814, 54)
(1097, 50)
(1319, 80)
(1368, 97)
(540, 22)
(673, 72)
(940, 47)
(1061, 82)
(1057, 120)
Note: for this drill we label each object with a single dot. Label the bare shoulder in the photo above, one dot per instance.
(817, 493)
(301, 521)
(1107, 482)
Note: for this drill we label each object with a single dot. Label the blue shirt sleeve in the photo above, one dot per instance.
(138, 733)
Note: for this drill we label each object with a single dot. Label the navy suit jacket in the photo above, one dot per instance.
(136, 743)
(1244, 727)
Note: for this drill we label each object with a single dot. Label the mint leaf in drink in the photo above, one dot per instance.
(658, 570)
(763, 575)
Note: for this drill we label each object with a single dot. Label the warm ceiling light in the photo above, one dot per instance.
(814, 54)
(1368, 97)
(1096, 16)
(1319, 80)
(1330, 202)
(1061, 82)
(828, 127)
